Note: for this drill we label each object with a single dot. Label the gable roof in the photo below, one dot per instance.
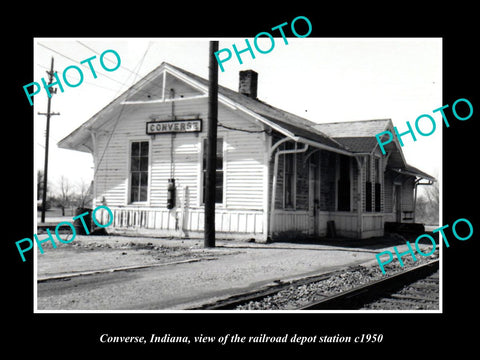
(359, 128)
(290, 123)
(358, 144)
(359, 137)
(343, 137)
(286, 123)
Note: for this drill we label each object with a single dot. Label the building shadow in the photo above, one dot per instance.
(374, 243)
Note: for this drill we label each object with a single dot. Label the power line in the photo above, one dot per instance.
(132, 72)
(57, 52)
(123, 67)
(210, 174)
(100, 73)
(118, 118)
(86, 82)
(48, 114)
(96, 52)
(89, 48)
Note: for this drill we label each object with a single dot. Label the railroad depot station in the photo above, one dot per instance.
(278, 175)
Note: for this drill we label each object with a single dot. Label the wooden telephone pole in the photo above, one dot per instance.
(210, 176)
(47, 134)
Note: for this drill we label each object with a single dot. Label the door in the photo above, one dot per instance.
(343, 184)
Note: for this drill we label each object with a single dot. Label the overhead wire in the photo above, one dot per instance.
(98, 72)
(124, 68)
(130, 89)
(85, 81)
(96, 52)
(118, 117)
(135, 73)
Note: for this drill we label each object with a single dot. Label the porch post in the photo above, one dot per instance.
(415, 187)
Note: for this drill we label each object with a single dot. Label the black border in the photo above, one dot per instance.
(408, 334)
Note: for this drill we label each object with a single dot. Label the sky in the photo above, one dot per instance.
(321, 79)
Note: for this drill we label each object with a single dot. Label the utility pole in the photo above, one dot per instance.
(210, 178)
(47, 134)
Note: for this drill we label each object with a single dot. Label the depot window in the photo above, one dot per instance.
(218, 172)
(139, 171)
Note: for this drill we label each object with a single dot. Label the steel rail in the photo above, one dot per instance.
(361, 295)
(275, 287)
(392, 282)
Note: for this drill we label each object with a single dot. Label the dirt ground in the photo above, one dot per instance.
(155, 273)
(107, 252)
(97, 253)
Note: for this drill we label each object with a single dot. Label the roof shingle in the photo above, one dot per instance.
(359, 128)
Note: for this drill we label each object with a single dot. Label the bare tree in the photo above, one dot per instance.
(65, 193)
(428, 204)
(432, 193)
(83, 194)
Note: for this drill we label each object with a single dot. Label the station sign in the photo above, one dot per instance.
(174, 126)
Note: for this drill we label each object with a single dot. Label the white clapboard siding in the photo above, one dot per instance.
(110, 169)
(244, 167)
(185, 167)
(244, 156)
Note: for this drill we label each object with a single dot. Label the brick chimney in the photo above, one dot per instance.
(247, 84)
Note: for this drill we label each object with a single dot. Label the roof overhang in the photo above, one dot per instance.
(413, 171)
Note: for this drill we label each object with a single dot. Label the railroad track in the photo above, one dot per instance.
(235, 301)
(386, 293)
(423, 294)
